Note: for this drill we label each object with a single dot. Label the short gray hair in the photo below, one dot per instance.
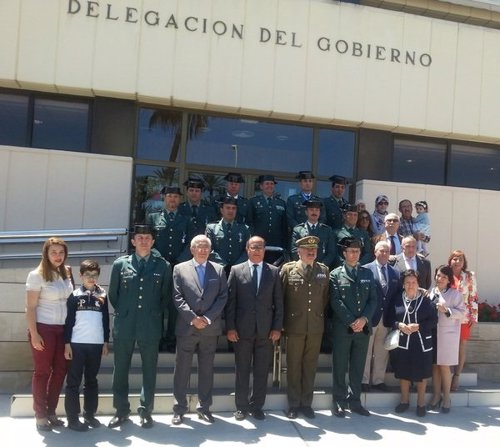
(201, 238)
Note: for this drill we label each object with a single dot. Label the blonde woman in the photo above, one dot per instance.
(47, 289)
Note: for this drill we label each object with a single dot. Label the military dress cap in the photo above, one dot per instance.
(303, 175)
(381, 198)
(350, 242)
(308, 242)
(143, 229)
(229, 200)
(312, 203)
(234, 177)
(266, 178)
(194, 182)
(171, 190)
(338, 180)
(349, 207)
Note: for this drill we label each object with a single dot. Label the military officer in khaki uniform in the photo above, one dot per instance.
(305, 291)
(139, 288)
(353, 297)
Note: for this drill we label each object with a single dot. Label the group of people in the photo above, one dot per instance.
(212, 276)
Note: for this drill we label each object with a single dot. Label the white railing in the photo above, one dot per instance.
(13, 243)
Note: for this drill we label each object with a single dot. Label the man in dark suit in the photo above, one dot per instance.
(410, 259)
(139, 288)
(200, 294)
(388, 287)
(353, 297)
(391, 236)
(254, 319)
(305, 291)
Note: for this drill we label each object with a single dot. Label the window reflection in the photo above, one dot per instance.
(474, 167)
(60, 125)
(148, 182)
(13, 119)
(159, 134)
(250, 144)
(214, 183)
(336, 152)
(419, 162)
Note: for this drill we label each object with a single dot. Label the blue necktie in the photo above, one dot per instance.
(200, 270)
(385, 286)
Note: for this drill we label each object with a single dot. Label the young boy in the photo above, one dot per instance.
(86, 337)
(422, 224)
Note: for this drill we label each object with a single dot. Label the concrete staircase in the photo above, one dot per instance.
(470, 393)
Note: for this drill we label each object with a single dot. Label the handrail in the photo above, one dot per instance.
(117, 236)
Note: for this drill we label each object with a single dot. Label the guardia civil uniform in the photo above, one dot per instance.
(353, 294)
(334, 211)
(267, 219)
(366, 250)
(327, 247)
(305, 298)
(199, 216)
(241, 203)
(139, 297)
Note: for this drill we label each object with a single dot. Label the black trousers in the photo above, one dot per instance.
(252, 355)
(86, 363)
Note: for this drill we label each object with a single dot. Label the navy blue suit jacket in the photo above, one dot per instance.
(394, 289)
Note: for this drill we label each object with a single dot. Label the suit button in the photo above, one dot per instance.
(140, 297)
(309, 310)
(139, 306)
(140, 288)
(142, 279)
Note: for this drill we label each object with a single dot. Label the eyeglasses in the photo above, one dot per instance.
(391, 220)
(91, 275)
(383, 203)
(256, 247)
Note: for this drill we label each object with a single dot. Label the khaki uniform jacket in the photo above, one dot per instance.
(304, 299)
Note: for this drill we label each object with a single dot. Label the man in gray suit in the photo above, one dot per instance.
(410, 259)
(254, 319)
(200, 294)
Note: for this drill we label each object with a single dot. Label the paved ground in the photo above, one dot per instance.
(464, 426)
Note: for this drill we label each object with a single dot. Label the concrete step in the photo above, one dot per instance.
(223, 400)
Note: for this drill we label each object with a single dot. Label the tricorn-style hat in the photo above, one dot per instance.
(266, 178)
(229, 200)
(350, 242)
(234, 177)
(194, 182)
(312, 203)
(338, 180)
(142, 229)
(171, 190)
(302, 175)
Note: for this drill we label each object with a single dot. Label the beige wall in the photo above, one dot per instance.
(461, 218)
(45, 48)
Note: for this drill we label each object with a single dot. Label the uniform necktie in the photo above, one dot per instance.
(229, 228)
(255, 278)
(393, 245)
(200, 270)
(171, 215)
(308, 271)
(269, 201)
(354, 274)
(142, 265)
(194, 210)
(385, 286)
(313, 227)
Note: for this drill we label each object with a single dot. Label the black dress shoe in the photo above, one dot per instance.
(258, 414)
(421, 411)
(55, 421)
(308, 412)
(240, 415)
(117, 420)
(91, 421)
(401, 407)
(365, 388)
(177, 419)
(146, 420)
(360, 410)
(292, 413)
(381, 387)
(338, 410)
(76, 425)
(43, 424)
(205, 415)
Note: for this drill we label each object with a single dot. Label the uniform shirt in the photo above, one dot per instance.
(296, 211)
(205, 214)
(333, 211)
(88, 316)
(327, 247)
(267, 219)
(51, 306)
(228, 247)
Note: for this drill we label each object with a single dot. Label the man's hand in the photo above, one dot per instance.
(274, 335)
(232, 335)
(199, 322)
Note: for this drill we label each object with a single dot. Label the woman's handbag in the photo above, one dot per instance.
(391, 340)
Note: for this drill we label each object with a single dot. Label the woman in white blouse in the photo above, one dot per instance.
(47, 289)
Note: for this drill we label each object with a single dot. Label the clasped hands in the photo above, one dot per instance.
(408, 328)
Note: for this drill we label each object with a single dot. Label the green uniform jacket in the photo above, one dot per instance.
(304, 300)
(172, 236)
(228, 248)
(296, 212)
(241, 203)
(333, 212)
(352, 299)
(205, 214)
(268, 220)
(139, 300)
(327, 248)
(366, 251)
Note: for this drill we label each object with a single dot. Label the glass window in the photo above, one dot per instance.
(149, 180)
(250, 144)
(60, 125)
(13, 119)
(419, 162)
(474, 167)
(159, 134)
(336, 152)
(214, 183)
